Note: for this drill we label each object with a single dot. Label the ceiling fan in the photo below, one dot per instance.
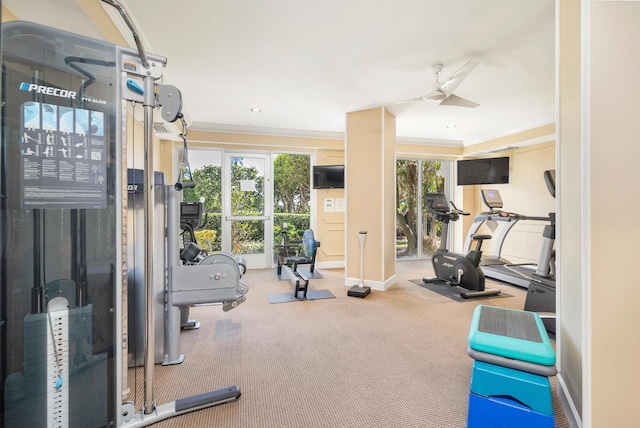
(443, 91)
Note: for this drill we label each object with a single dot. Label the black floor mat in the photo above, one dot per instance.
(454, 292)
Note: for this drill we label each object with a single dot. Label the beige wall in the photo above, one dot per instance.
(612, 162)
(538, 135)
(330, 226)
(597, 152)
(7, 15)
(257, 141)
(426, 151)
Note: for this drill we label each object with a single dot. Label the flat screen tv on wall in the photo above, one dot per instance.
(483, 171)
(328, 177)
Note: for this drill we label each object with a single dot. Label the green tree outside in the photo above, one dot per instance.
(407, 188)
(291, 189)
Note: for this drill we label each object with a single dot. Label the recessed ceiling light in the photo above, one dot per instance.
(451, 125)
(256, 109)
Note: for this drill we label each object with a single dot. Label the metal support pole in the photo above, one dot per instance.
(172, 328)
(362, 236)
(149, 205)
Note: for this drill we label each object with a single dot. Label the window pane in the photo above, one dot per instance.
(291, 195)
(206, 168)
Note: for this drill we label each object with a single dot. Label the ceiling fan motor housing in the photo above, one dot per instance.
(436, 95)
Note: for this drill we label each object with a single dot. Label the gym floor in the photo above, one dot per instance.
(394, 359)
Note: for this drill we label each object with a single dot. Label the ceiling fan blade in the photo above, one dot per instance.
(456, 78)
(405, 101)
(454, 100)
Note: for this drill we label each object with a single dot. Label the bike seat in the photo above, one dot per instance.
(481, 237)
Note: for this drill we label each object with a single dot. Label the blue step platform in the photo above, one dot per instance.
(502, 412)
(510, 333)
(532, 390)
(513, 359)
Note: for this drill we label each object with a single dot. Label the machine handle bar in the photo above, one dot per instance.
(456, 210)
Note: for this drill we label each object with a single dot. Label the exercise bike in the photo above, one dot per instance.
(452, 268)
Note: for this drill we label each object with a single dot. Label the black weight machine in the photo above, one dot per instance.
(191, 254)
(64, 230)
(452, 268)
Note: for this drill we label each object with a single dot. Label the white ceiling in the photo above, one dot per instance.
(306, 63)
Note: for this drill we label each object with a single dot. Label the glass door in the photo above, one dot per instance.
(247, 216)
(417, 234)
(434, 176)
(407, 209)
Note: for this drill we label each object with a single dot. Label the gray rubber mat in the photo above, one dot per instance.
(311, 275)
(289, 297)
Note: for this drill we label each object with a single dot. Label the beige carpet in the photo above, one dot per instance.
(395, 359)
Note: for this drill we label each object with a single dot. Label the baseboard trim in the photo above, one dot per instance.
(330, 265)
(567, 403)
(375, 285)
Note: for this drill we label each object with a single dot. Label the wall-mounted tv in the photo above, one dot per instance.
(483, 171)
(328, 177)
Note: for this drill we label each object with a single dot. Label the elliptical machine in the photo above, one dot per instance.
(452, 268)
(541, 293)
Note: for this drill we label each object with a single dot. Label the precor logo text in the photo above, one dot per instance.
(47, 90)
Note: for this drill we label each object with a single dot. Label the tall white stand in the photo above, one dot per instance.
(360, 290)
(363, 237)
